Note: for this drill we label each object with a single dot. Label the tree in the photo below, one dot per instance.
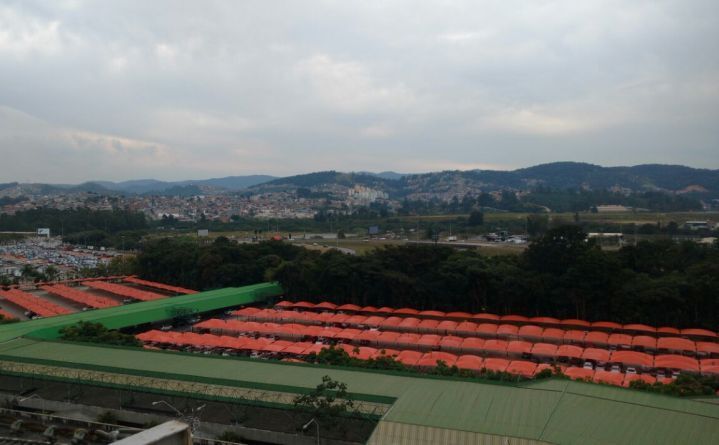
(85, 331)
(476, 218)
(537, 225)
(327, 401)
(558, 249)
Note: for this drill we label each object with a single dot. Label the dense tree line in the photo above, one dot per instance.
(557, 200)
(562, 274)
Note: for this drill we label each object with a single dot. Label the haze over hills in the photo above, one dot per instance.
(558, 175)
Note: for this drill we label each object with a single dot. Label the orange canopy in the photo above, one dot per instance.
(577, 373)
(596, 354)
(429, 340)
(384, 352)
(367, 335)
(496, 364)
(553, 334)
(530, 330)
(409, 322)
(519, 347)
(472, 344)
(406, 311)
(432, 313)
(471, 362)
(493, 345)
(407, 338)
(673, 361)
(521, 367)
(620, 340)
(544, 349)
(409, 358)
(570, 351)
(676, 344)
(374, 320)
(430, 359)
(348, 334)
(707, 347)
(391, 322)
(596, 337)
(507, 329)
(459, 315)
(466, 327)
(447, 325)
(633, 358)
(356, 319)
(640, 328)
(573, 322)
(450, 342)
(487, 328)
(515, 318)
(699, 333)
(428, 324)
(364, 353)
(574, 336)
(612, 378)
(644, 341)
(544, 320)
(610, 325)
(485, 316)
(628, 378)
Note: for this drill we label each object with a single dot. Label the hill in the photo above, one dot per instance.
(559, 175)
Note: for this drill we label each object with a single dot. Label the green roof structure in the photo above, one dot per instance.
(423, 409)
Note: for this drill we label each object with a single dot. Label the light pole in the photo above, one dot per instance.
(307, 425)
(192, 418)
(158, 402)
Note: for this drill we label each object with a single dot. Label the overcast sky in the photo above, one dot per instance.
(187, 90)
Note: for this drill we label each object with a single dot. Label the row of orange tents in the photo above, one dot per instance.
(162, 286)
(90, 300)
(33, 303)
(424, 360)
(461, 345)
(123, 291)
(487, 317)
(486, 330)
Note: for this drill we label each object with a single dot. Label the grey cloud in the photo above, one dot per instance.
(129, 89)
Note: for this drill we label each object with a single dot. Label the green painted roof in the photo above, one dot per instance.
(556, 411)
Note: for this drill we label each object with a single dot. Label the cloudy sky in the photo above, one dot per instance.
(186, 90)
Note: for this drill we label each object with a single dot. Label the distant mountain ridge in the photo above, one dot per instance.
(558, 175)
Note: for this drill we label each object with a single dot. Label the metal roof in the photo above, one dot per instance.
(555, 411)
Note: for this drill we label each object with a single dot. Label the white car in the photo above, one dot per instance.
(589, 365)
(631, 370)
(616, 368)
